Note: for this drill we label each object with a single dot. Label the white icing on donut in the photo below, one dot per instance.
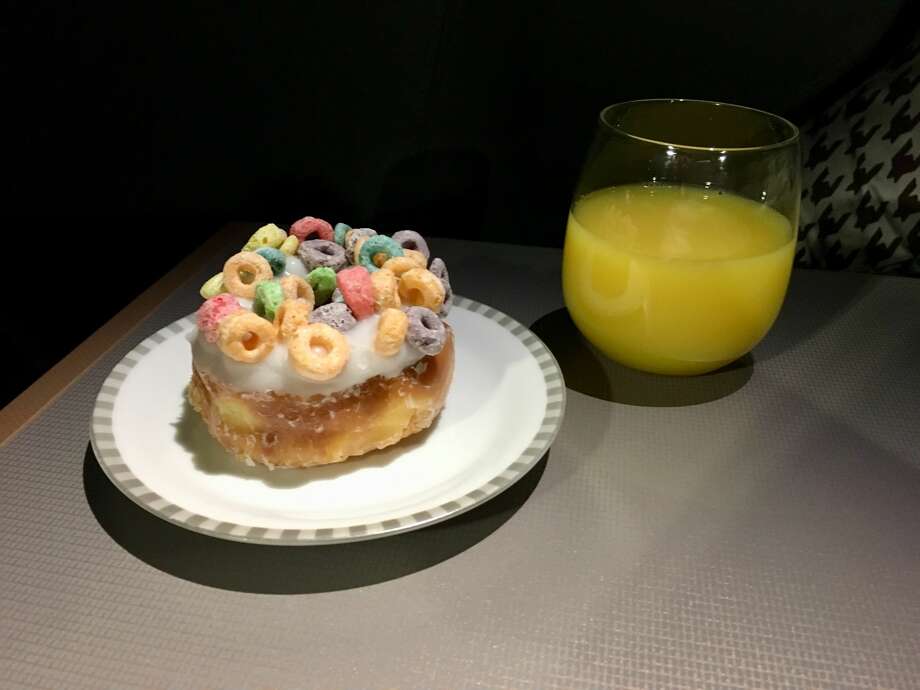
(275, 372)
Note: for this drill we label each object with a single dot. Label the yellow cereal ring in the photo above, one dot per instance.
(291, 315)
(391, 332)
(243, 272)
(419, 287)
(318, 352)
(295, 287)
(386, 289)
(417, 257)
(400, 264)
(267, 236)
(355, 253)
(246, 337)
(289, 246)
(213, 287)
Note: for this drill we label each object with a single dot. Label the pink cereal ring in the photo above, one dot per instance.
(358, 290)
(213, 311)
(309, 226)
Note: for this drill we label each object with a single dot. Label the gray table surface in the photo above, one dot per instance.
(755, 528)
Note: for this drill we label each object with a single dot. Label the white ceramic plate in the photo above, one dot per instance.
(503, 410)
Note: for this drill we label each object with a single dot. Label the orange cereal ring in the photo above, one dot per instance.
(246, 337)
(400, 264)
(318, 352)
(243, 271)
(419, 287)
(391, 332)
(291, 315)
(386, 289)
(295, 287)
(417, 257)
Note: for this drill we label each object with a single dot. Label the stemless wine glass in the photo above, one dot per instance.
(681, 233)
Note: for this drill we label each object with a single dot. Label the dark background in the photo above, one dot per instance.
(133, 132)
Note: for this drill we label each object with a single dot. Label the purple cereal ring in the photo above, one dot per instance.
(354, 235)
(439, 268)
(334, 314)
(322, 253)
(426, 331)
(410, 239)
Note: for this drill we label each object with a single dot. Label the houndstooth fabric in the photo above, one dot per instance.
(861, 181)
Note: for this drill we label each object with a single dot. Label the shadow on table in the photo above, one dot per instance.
(589, 372)
(815, 300)
(291, 569)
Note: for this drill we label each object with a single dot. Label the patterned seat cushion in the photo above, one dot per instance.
(861, 181)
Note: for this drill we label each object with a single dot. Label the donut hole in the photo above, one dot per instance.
(246, 277)
(250, 341)
(380, 258)
(430, 321)
(409, 244)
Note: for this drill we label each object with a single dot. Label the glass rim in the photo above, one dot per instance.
(792, 139)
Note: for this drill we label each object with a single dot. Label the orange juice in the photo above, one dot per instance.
(675, 280)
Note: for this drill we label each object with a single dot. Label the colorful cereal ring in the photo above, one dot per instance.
(322, 280)
(246, 337)
(391, 332)
(276, 258)
(335, 314)
(410, 239)
(318, 352)
(267, 236)
(243, 271)
(352, 236)
(309, 226)
(315, 253)
(358, 290)
(380, 244)
(213, 286)
(339, 232)
(269, 296)
(289, 246)
(426, 332)
(213, 311)
(419, 287)
(439, 268)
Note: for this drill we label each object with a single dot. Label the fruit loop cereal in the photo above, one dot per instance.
(335, 314)
(419, 287)
(295, 287)
(386, 289)
(243, 271)
(322, 254)
(426, 331)
(322, 280)
(213, 286)
(391, 332)
(318, 351)
(378, 244)
(339, 232)
(358, 290)
(246, 337)
(267, 236)
(309, 226)
(276, 258)
(291, 315)
(269, 296)
(409, 239)
(213, 311)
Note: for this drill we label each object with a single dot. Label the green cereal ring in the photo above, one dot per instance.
(322, 280)
(269, 297)
(267, 236)
(339, 233)
(213, 287)
(276, 258)
(376, 245)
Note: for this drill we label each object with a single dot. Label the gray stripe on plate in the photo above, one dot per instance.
(357, 530)
(324, 533)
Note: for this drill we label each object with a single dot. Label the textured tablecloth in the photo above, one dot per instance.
(754, 528)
